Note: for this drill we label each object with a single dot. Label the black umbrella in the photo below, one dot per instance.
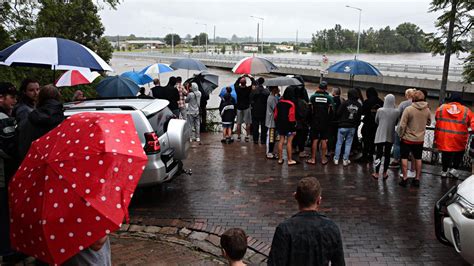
(282, 81)
(205, 80)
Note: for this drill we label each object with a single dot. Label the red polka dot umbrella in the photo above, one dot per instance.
(254, 65)
(75, 185)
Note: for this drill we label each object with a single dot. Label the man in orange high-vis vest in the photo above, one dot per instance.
(451, 133)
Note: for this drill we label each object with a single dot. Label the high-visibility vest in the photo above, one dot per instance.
(452, 123)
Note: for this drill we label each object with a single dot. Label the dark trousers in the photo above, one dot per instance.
(4, 223)
(203, 110)
(301, 137)
(332, 138)
(259, 129)
(383, 149)
(451, 159)
(368, 137)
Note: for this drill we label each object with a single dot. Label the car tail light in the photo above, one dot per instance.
(152, 144)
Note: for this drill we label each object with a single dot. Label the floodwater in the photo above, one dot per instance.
(226, 77)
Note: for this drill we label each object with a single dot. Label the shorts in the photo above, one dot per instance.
(227, 125)
(244, 116)
(286, 133)
(415, 149)
(319, 134)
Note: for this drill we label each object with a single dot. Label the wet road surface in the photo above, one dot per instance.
(235, 186)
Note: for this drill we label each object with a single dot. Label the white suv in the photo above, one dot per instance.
(454, 219)
(164, 139)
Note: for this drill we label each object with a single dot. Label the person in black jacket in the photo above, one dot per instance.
(348, 115)
(227, 112)
(369, 109)
(308, 237)
(258, 101)
(47, 115)
(244, 115)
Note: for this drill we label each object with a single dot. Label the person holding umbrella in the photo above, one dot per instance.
(244, 115)
(258, 98)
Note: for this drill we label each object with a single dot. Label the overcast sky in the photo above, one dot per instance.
(282, 18)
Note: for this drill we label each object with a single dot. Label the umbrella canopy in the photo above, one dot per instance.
(156, 69)
(189, 64)
(54, 53)
(207, 81)
(137, 77)
(354, 67)
(254, 65)
(233, 93)
(75, 185)
(117, 86)
(76, 77)
(282, 81)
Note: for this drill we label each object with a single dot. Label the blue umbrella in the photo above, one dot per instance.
(189, 64)
(117, 86)
(354, 67)
(232, 93)
(54, 53)
(137, 77)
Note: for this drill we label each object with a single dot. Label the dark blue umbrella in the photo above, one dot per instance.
(354, 67)
(137, 77)
(232, 93)
(54, 53)
(117, 86)
(189, 64)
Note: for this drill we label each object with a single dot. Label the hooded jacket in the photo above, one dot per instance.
(194, 100)
(258, 100)
(370, 107)
(413, 123)
(386, 118)
(349, 112)
(39, 122)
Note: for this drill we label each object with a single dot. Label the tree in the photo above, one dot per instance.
(414, 35)
(468, 72)
(454, 25)
(200, 39)
(172, 39)
(76, 20)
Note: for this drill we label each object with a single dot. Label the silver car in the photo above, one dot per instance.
(164, 139)
(454, 219)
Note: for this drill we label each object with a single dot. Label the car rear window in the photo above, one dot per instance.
(159, 120)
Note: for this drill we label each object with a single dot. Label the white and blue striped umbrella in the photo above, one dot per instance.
(157, 68)
(54, 53)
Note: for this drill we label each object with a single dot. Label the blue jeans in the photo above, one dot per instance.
(346, 134)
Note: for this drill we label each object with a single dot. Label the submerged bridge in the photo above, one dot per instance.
(396, 77)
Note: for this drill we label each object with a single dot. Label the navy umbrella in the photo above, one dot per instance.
(117, 86)
(53, 53)
(189, 64)
(354, 67)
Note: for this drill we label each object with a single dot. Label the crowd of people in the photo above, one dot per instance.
(329, 125)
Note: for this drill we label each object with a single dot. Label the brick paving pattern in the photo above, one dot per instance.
(235, 186)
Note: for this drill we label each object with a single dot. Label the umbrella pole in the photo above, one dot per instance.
(54, 73)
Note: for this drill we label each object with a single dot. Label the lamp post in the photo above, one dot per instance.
(262, 19)
(172, 39)
(358, 35)
(205, 27)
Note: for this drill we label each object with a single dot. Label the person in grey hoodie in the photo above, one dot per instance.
(193, 99)
(386, 118)
(272, 101)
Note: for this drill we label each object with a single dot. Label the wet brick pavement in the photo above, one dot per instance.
(235, 186)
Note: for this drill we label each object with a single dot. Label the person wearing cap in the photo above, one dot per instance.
(452, 132)
(244, 115)
(322, 112)
(258, 102)
(7, 165)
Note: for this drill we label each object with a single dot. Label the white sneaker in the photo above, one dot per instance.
(444, 174)
(410, 174)
(346, 162)
(198, 139)
(191, 140)
(336, 162)
(454, 173)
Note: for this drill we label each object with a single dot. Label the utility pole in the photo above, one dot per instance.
(262, 19)
(258, 31)
(296, 42)
(358, 35)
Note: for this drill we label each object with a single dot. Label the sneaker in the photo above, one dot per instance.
(198, 139)
(454, 173)
(239, 138)
(247, 139)
(403, 183)
(444, 174)
(415, 182)
(191, 140)
(223, 140)
(410, 174)
(336, 162)
(346, 162)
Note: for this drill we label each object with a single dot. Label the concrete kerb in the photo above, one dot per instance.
(193, 238)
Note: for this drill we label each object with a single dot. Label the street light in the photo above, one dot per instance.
(172, 39)
(205, 25)
(262, 19)
(358, 35)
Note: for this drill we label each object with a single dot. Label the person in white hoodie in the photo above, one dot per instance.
(386, 118)
(193, 99)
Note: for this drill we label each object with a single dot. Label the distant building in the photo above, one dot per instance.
(284, 48)
(250, 48)
(148, 44)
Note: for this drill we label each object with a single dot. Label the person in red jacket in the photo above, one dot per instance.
(285, 122)
(451, 133)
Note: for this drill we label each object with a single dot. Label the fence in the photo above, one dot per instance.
(430, 154)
